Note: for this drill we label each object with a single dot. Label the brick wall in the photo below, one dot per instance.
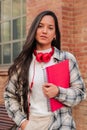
(3, 79)
(80, 35)
(67, 25)
(80, 50)
(74, 39)
(73, 26)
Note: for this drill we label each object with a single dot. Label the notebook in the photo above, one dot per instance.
(58, 74)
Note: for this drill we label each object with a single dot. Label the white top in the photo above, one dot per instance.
(38, 100)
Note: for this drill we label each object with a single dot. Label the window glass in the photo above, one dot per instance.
(6, 53)
(24, 27)
(6, 31)
(6, 9)
(0, 32)
(0, 10)
(0, 54)
(12, 29)
(16, 49)
(23, 43)
(16, 8)
(17, 29)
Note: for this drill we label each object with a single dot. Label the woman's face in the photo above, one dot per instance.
(45, 32)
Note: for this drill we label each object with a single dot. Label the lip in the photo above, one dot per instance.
(43, 36)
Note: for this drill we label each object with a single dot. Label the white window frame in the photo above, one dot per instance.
(21, 40)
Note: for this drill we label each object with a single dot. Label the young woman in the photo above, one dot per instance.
(27, 92)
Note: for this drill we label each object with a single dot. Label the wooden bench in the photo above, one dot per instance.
(5, 122)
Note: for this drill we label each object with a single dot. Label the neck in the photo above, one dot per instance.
(42, 47)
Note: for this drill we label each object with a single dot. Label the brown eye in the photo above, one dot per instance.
(40, 26)
(51, 28)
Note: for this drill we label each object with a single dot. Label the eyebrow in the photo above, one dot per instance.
(49, 24)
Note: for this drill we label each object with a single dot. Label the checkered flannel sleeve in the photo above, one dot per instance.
(12, 104)
(76, 92)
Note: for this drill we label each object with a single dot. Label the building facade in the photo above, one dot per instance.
(14, 25)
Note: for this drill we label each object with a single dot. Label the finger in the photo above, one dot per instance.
(47, 84)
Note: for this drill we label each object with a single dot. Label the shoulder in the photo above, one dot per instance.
(62, 55)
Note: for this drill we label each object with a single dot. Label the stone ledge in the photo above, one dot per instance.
(3, 71)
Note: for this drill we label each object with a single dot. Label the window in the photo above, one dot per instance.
(12, 29)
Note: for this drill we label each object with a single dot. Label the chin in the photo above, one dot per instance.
(43, 42)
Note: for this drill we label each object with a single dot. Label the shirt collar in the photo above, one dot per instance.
(57, 54)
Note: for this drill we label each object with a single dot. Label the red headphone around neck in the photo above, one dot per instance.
(43, 57)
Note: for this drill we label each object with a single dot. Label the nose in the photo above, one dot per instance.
(45, 30)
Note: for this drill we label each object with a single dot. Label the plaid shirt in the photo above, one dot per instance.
(62, 118)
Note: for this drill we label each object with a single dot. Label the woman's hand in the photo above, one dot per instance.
(50, 90)
(24, 124)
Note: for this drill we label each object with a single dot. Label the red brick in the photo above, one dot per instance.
(73, 27)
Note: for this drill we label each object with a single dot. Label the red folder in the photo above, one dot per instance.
(59, 75)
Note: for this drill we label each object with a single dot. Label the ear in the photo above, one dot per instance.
(54, 37)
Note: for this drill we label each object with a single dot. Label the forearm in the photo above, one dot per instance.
(71, 96)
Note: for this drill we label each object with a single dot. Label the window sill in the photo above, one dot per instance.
(3, 71)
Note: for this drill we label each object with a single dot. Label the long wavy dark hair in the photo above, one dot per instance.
(22, 62)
